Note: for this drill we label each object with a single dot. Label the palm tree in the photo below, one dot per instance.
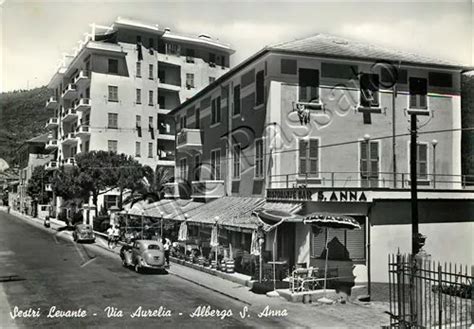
(151, 187)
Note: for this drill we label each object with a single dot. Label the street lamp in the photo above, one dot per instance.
(367, 156)
(434, 142)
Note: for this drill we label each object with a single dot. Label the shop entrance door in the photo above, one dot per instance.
(286, 243)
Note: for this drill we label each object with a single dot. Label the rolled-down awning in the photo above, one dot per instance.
(332, 221)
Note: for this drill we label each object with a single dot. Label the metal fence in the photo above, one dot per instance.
(426, 294)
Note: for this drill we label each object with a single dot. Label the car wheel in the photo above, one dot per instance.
(137, 268)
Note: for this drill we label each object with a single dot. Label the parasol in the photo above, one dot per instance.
(254, 247)
(330, 221)
(215, 237)
(183, 232)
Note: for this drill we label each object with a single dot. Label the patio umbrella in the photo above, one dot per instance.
(183, 232)
(254, 248)
(330, 221)
(214, 239)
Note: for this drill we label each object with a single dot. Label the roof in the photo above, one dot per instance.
(328, 46)
(331, 46)
(39, 139)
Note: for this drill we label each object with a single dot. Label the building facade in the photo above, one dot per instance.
(324, 123)
(116, 90)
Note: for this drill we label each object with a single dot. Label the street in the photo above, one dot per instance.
(55, 272)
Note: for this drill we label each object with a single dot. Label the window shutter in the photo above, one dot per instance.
(355, 243)
(218, 109)
(313, 156)
(363, 158)
(318, 245)
(302, 155)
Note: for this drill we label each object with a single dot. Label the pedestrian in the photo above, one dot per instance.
(110, 236)
(166, 246)
(116, 235)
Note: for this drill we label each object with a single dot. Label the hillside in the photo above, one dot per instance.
(22, 116)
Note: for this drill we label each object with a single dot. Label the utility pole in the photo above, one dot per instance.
(394, 142)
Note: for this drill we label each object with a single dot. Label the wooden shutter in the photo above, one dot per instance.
(363, 159)
(313, 156)
(218, 109)
(422, 161)
(303, 145)
(355, 243)
(374, 159)
(318, 244)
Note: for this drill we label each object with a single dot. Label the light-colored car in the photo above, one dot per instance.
(144, 254)
(83, 232)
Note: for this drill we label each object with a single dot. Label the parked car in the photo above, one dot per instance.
(83, 232)
(144, 254)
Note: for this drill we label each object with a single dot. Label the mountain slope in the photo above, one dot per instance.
(22, 116)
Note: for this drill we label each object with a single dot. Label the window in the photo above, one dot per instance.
(369, 90)
(421, 160)
(259, 158)
(211, 79)
(418, 91)
(139, 70)
(110, 201)
(237, 100)
(288, 66)
(440, 79)
(137, 149)
(150, 97)
(308, 85)
(369, 175)
(189, 80)
(182, 121)
(236, 161)
(112, 146)
(161, 76)
(216, 110)
(112, 121)
(197, 169)
(150, 71)
(183, 169)
(259, 88)
(247, 79)
(113, 94)
(139, 121)
(339, 71)
(113, 66)
(173, 49)
(150, 122)
(150, 150)
(139, 96)
(198, 119)
(352, 243)
(212, 58)
(216, 165)
(308, 157)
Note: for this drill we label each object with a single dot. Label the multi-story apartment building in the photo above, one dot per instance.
(115, 91)
(324, 123)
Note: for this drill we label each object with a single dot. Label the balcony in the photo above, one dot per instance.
(70, 91)
(52, 123)
(83, 131)
(51, 144)
(168, 86)
(208, 189)
(52, 103)
(48, 188)
(69, 162)
(82, 79)
(69, 115)
(189, 139)
(51, 165)
(70, 139)
(83, 105)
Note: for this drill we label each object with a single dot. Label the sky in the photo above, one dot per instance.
(34, 35)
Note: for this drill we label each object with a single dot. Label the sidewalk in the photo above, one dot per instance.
(349, 315)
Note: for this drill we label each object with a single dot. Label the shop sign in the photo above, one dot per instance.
(341, 196)
(304, 193)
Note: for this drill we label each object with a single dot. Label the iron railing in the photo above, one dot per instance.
(428, 294)
(342, 179)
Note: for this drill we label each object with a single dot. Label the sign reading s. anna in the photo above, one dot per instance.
(304, 193)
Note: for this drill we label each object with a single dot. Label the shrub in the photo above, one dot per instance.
(267, 286)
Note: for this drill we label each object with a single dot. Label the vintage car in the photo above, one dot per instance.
(83, 232)
(143, 254)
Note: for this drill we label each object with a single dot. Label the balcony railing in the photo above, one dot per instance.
(360, 179)
(189, 139)
(82, 131)
(84, 104)
(207, 189)
(168, 86)
(82, 78)
(51, 165)
(52, 103)
(52, 123)
(70, 91)
(51, 144)
(70, 138)
(69, 115)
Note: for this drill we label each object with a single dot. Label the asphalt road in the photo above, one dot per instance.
(58, 273)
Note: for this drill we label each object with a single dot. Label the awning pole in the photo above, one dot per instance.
(326, 265)
(274, 251)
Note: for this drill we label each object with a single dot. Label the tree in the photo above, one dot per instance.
(35, 188)
(151, 187)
